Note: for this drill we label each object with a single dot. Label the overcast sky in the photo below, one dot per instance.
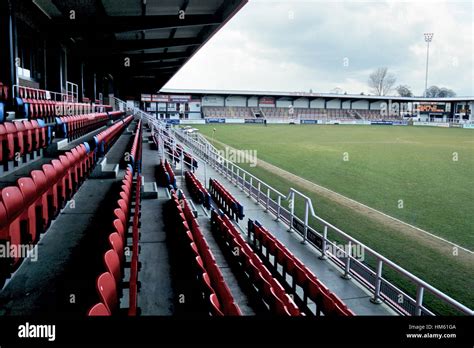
(298, 45)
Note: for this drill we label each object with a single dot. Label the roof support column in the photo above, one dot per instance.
(8, 43)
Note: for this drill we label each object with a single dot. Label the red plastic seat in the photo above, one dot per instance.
(75, 168)
(21, 136)
(12, 140)
(119, 214)
(123, 205)
(119, 228)
(108, 291)
(11, 214)
(30, 197)
(200, 265)
(3, 142)
(42, 188)
(125, 198)
(279, 307)
(30, 136)
(70, 174)
(215, 306)
(99, 310)
(208, 290)
(112, 265)
(54, 191)
(40, 134)
(62, 175)
(116, 243)
(300, 277)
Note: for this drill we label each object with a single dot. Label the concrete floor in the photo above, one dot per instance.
(156, 295)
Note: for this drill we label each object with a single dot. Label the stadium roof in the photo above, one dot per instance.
(157, 36)
(308, 95)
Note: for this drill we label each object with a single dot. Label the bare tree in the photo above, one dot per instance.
(404, 91)
(381, 81)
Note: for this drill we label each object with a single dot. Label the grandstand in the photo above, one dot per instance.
(289, 107)
(281, 113)
(108, 210)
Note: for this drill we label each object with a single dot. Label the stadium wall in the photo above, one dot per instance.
(346, 105)
(236, 101)
(213, 100)
(317, 103)
(361, 104)
(253, 102)
(283, 103)
(301, 103)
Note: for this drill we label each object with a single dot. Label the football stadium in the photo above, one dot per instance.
(154, 166)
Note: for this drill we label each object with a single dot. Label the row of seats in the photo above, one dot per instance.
(266, 245)
(225, 200)
(298, 112)
(187, 157)
(35, 103)
(267, 288)
(165, 175)
(115, 115)
(197, 190)
(134, 284)
(189, 160)
(20, 138)
(73, 127)
(173, 152)
(105, 139)
(136, 150)
(178, 151)
(4, 92)
(211, 284)
(109, 283)
(227, 112)
(28, 208)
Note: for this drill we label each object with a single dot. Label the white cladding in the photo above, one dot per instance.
(361, 104)
(377, 105)
(194, 106)
(346, 104)
(213, 100)
(333, 104)
(282, 103)
(235, 101)
(301, 103)
(253, 102)
(317, 103)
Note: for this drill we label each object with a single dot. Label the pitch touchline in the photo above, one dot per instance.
(361, 204)
(379, 212)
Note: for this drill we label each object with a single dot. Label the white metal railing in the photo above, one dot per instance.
(271, 199)
(72, 91)
(50, 95)
(69, 104)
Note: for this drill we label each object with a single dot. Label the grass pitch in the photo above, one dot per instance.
(421, 175)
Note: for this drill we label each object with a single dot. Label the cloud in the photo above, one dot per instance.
(300, 45)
